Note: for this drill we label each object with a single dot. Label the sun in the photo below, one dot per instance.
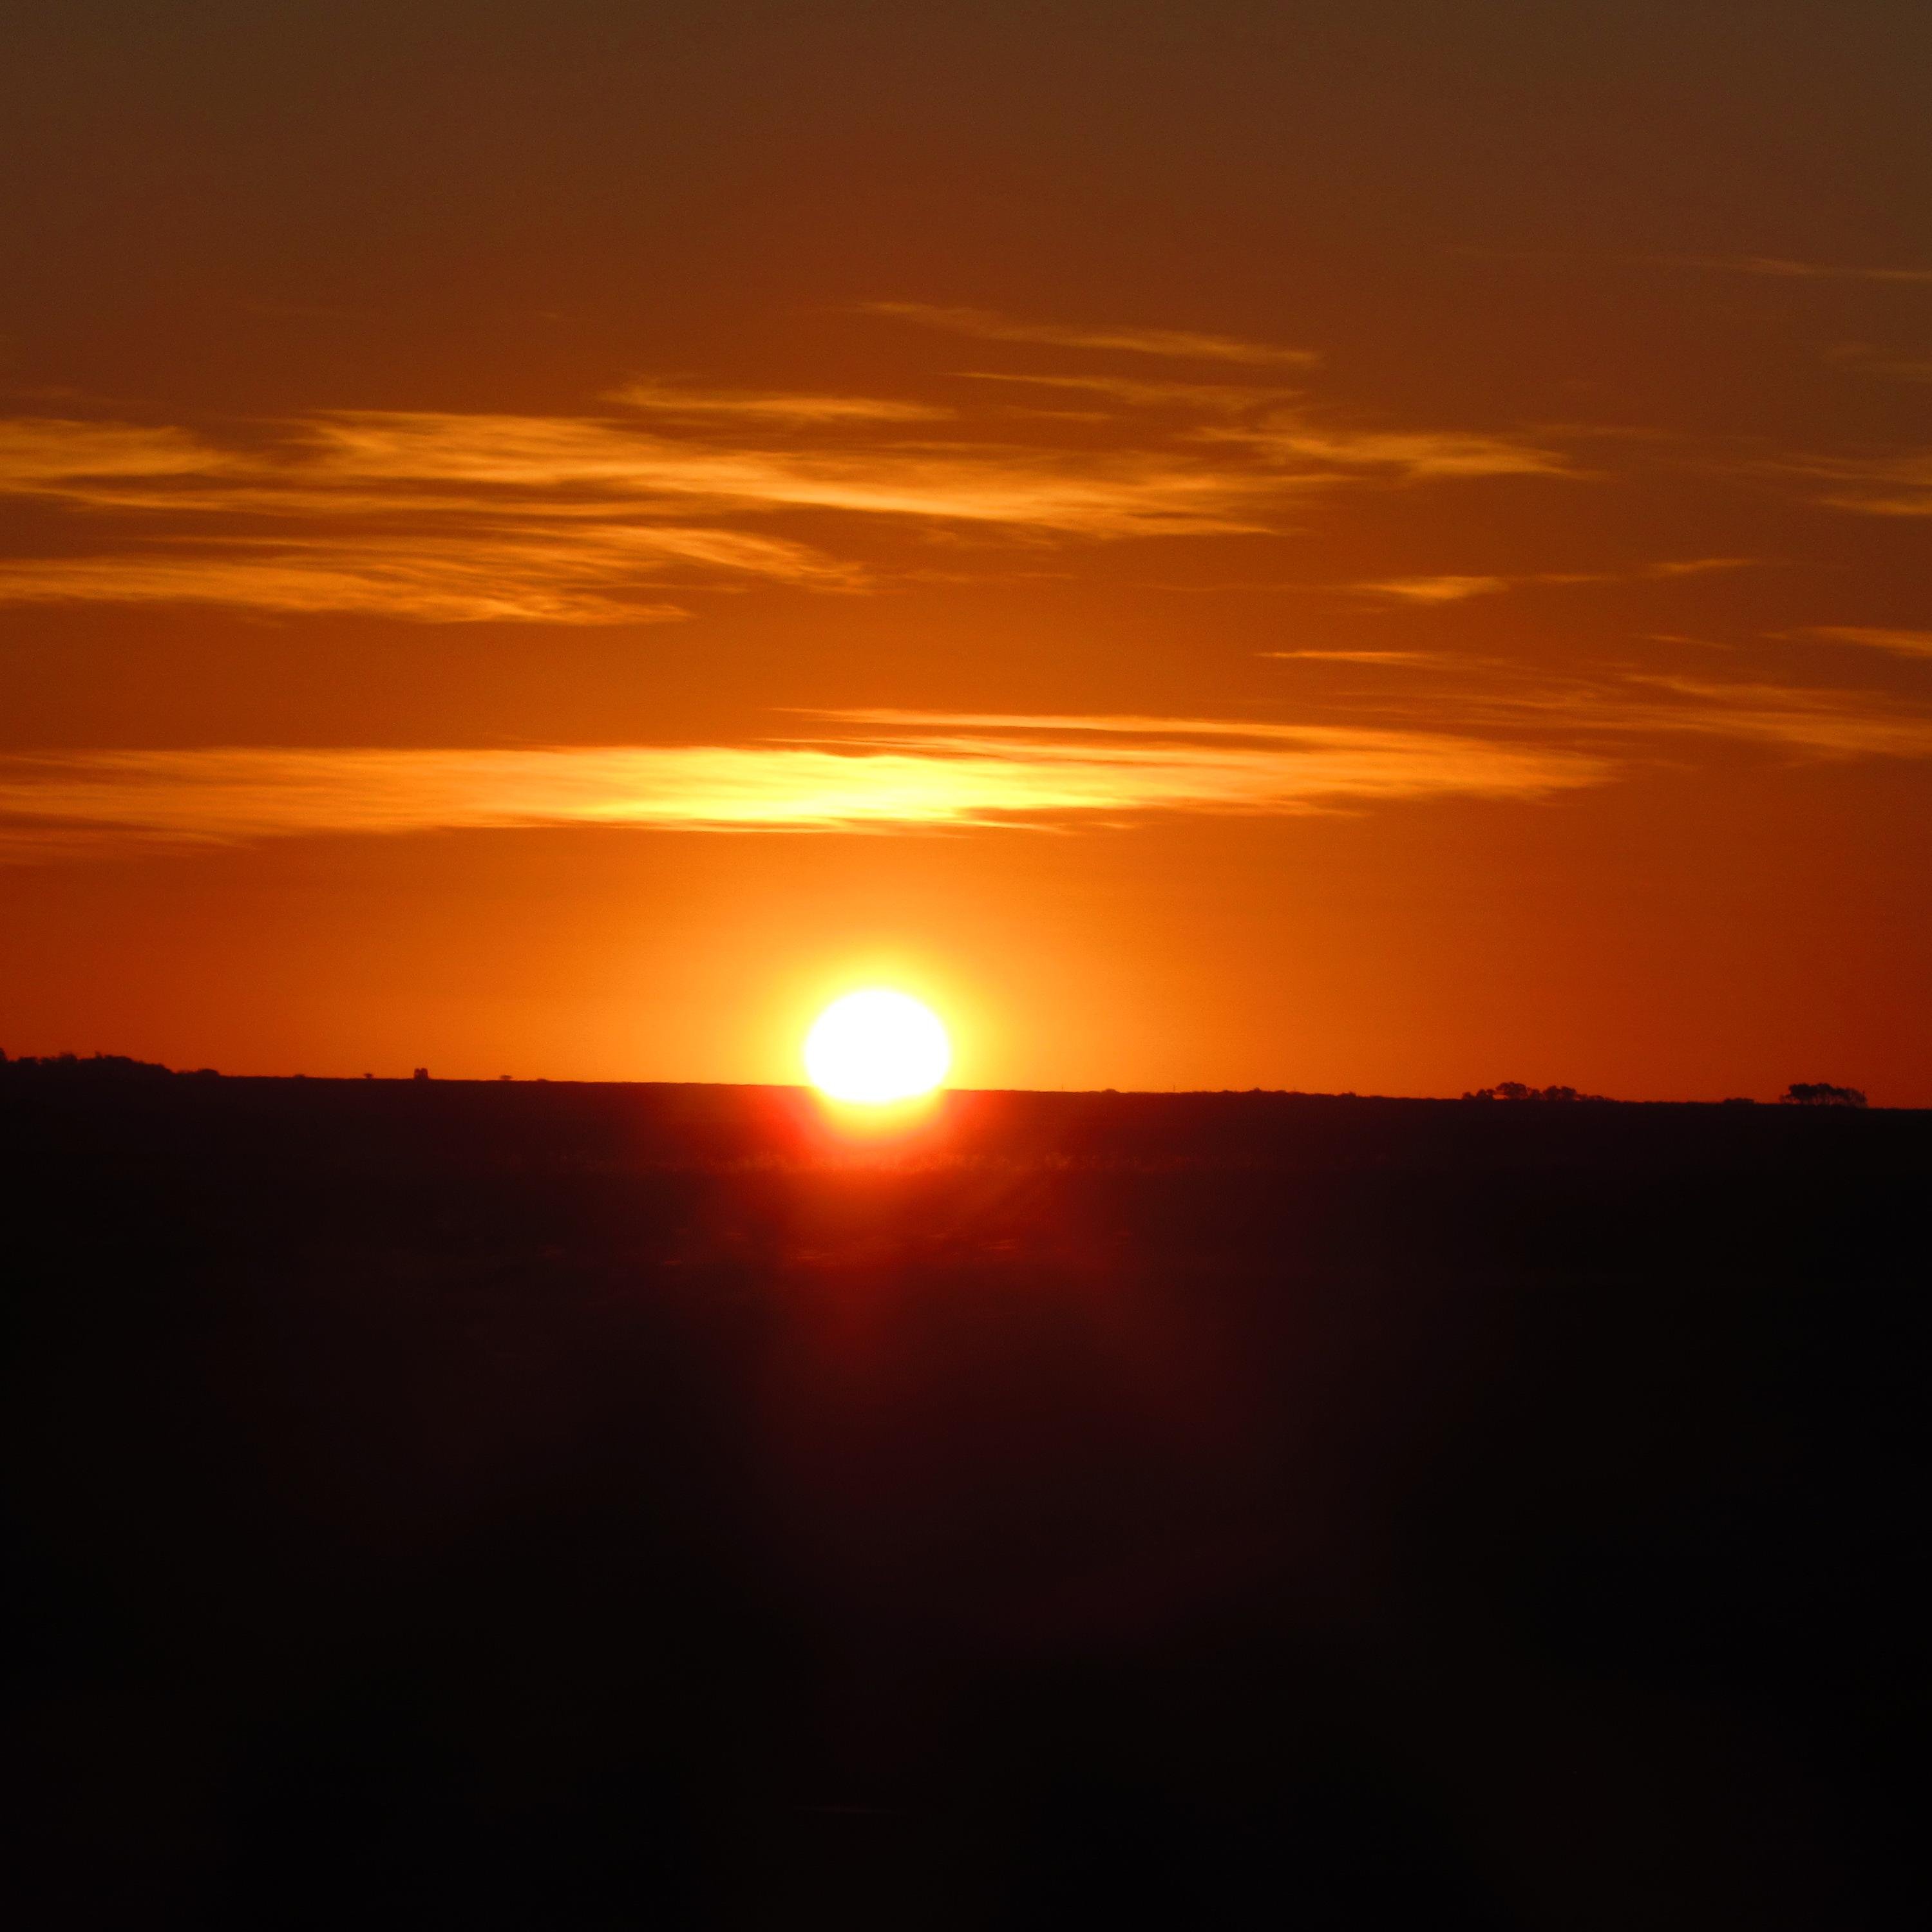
(875, 1046)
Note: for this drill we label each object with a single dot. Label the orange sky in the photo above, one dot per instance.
(1222, 545)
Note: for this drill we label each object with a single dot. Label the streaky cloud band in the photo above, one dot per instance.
(936, 773)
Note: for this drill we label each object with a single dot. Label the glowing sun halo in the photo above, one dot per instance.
(876, 1046)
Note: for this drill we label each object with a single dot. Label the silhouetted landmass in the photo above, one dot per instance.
(95, 1066)
(544, 1506)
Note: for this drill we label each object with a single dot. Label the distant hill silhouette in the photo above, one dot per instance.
(96, 1066)
(115, 1066)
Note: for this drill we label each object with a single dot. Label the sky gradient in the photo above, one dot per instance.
(1222, 546)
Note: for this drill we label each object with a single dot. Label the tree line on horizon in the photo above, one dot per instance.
(1799, 1093)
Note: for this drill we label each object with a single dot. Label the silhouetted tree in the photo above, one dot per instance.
(1514, 1089)
(1821, 1093)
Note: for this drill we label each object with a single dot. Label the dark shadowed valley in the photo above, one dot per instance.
(587, 1507)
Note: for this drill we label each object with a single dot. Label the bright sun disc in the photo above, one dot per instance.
(875, 1046)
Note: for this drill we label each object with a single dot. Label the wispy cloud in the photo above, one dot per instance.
(1780, 267)
(1825, 724)
(48, 455)
(1117, 493)
(1863, 357)
(363, 463)
(1415, 455)
(1805, 720)
(1455, 588)
(1697, 566)
(446, 518)
(908, 770)
(882, 770)
(677, 400)
(1436, 590)
(1179, 345)
(1139, 392)
(1874, 484)
(1901, 643)
(586, 575)
(1357, 657)
(1630, 716)
(441, 516)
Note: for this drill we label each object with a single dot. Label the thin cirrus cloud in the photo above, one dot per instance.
(1900, 643)
(587, 574)
(675, 400)
(1179, 345)
(1863, 357)
(1135, 490)
(1806, 722)
(1411, 455)
(1829, 725)
(1140, 392)
(1323, 656)
(441, 516)
(1291, 443)
(1697, 566)
(1108, 493)
(902, 771)
(905, 771)
(363, 463)
(1447, 589)
(468, 518)
(1453, 588)
(1875, 485)
(52, 456)
(1783, 269)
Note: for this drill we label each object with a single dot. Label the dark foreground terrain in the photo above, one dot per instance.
(559, 1506)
